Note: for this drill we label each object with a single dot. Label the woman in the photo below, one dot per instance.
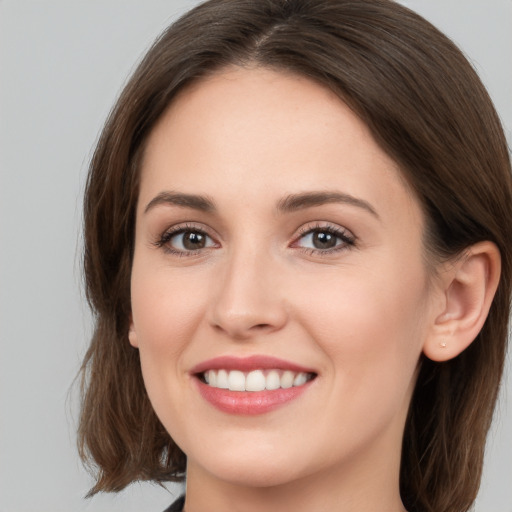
(298, 250)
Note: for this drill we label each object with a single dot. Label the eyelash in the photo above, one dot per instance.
(347, 239)
(167, 236)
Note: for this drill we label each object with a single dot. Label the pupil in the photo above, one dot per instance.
(193, 241)
(323, 240)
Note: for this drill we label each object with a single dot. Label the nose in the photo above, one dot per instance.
(248, 301)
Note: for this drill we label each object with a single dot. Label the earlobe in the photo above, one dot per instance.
(132, 335)
(469, 285)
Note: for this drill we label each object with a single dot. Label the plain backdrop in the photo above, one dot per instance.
(62, 64)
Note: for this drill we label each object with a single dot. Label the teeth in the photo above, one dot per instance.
(236, 381)
(211, 378)
(257, 380)
(287, 379)
(273, 380)
(222, 379)
(300, 379)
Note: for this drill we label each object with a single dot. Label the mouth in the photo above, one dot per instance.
(251, 385)
(255, 380)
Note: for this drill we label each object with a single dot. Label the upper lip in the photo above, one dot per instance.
(247, 364)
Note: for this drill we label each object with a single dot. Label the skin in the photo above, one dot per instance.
(360, 315)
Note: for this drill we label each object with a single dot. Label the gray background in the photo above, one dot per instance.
(62, 63)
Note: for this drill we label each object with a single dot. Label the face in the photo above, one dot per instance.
(280, 299)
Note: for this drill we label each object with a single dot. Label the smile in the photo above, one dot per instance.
(256, 380)
(251, 385)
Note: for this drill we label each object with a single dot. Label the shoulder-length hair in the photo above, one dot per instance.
(424, 105)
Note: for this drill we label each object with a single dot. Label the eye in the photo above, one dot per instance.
(324, 239)
(190, 241)
(183, 240)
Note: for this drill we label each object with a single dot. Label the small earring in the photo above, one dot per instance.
(442, 344)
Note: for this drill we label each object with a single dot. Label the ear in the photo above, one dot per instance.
(467, 289)
(132, 335)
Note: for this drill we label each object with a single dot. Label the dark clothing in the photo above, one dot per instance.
(177, 506)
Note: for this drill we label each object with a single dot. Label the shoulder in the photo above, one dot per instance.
(177, 506)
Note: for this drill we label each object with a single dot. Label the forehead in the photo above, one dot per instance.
(260, 106)
(256, 133)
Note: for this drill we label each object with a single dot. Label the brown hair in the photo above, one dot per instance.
(427, 109)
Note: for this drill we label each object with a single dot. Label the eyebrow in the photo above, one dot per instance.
(294, 202)
(288, 204)
(201, 203)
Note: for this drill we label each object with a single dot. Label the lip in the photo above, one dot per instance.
(247, 364)
(248, 403)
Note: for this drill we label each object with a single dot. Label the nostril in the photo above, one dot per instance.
(245, 320)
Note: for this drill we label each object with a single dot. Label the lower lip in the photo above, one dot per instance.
(249, 403)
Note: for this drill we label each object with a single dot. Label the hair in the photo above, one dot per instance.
(426, 108)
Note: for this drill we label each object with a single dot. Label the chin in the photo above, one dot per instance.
(249, 468)
(253, 475)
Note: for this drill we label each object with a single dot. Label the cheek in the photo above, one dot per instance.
(166, 312)
(368, 321)
(166, 308)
